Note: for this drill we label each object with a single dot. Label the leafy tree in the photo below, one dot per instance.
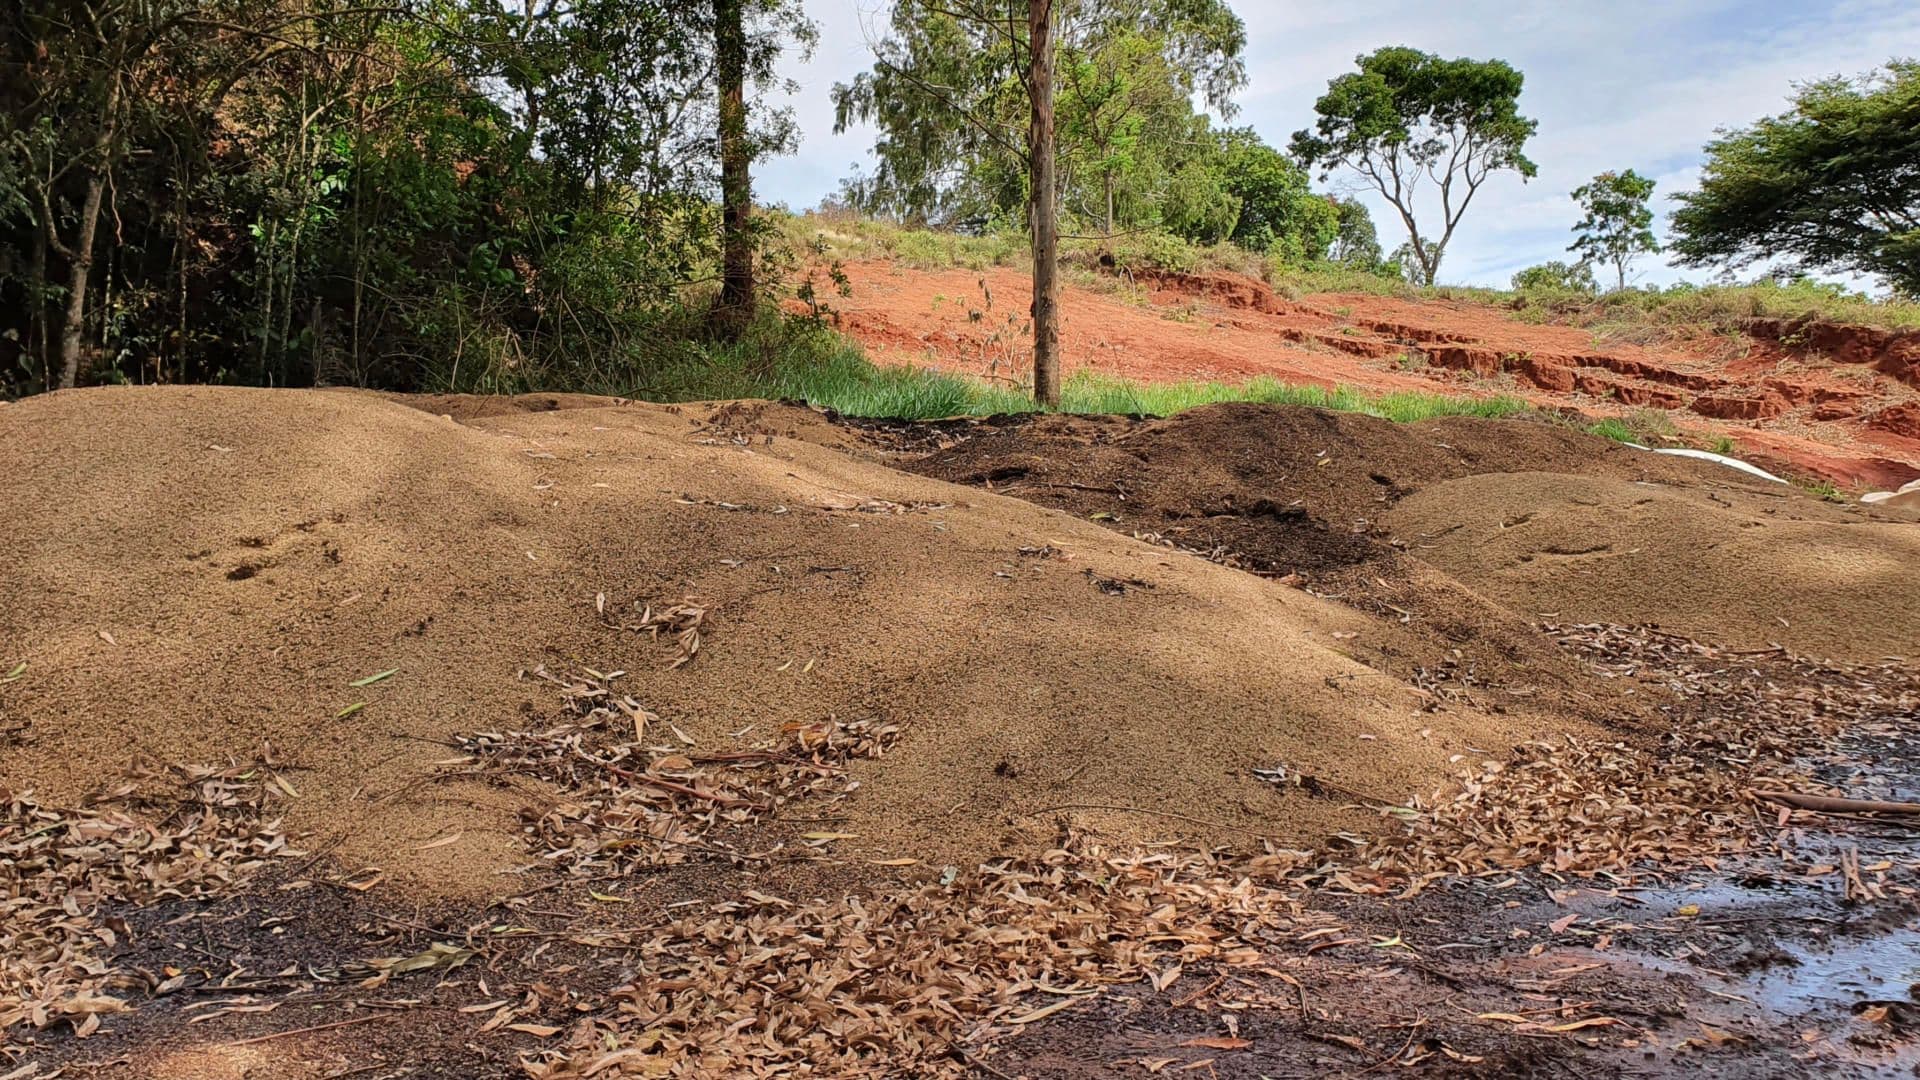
(1831, 184)
(1407, 119)
(947, 94)
(1276, 205)
(1617, 226)
(967, 97)
(1556, 276)
(1357, 242)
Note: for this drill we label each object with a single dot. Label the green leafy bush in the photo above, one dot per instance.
(1556, 276)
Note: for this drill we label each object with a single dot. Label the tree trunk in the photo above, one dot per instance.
(81, 269)
(1045, 213)
(736, 180)
(35, 345)
(1106, 181)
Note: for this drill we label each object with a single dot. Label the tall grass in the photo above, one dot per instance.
(1690, 309)
(1090, 392)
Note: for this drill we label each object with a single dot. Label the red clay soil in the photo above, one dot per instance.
(1835, 403)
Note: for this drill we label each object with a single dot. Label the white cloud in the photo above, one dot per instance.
(1637, 84)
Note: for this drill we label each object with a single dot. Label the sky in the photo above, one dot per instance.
(1614, 84)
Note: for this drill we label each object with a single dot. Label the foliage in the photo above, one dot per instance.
(1357, 243)
(454, 194)
(1641, 427)
(1617, 226)
(1686, 311)
(1407, 119)
(1831, 184)
(946, 95)
(1277, 212)
(1556, 276)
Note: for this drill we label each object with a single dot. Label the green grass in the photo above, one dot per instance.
(1086, 392)
(849, 237)
(1647, 427)
(1614, 428)
(814, 364)
(1825, 489)
(1684, 309)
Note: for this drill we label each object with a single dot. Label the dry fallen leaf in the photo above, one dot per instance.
(541, 1030)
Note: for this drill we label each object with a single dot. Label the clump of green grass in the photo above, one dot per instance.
(1825, 489)
(1614, 428)
(1648, 427)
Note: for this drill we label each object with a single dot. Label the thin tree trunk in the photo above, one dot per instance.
(1107, 182)
(37, 322)
(1045, 212)
(73, 329)
(736, 180)
(80, 255)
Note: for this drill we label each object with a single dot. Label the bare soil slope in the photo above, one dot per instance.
(196, 570)
(1836, 402)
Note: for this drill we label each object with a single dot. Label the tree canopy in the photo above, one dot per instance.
(1617, 225)
(1831, 184)
(458, 193)
(946, 95)
(1407, 120)
(1557, 276)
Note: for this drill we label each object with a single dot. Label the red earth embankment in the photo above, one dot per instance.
(1837, 403)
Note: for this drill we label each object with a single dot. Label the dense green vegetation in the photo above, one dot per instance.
(448, 195)
(1135, 155)
(1833, 184)
(461, 195)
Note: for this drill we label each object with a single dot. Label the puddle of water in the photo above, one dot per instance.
(1803, 965)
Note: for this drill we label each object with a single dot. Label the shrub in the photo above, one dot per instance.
(1556, 276)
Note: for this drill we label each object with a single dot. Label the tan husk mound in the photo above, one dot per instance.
(195, 569)
(708, 662)
(1747, 566)
(1540, 519)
